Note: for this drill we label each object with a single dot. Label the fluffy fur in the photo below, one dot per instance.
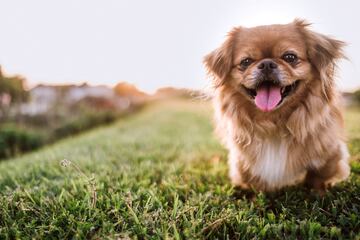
(302, 139)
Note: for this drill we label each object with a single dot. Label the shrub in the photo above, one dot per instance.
(357, 96)
(84, 123)
(15, 140)
(50, 127)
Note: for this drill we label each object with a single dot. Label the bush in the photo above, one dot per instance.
(357, 96)
(14, 141)
(84, 123)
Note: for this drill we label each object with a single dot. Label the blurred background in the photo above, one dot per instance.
(68, 66)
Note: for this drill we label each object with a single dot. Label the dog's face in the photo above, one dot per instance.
(272, 66)
(269, 64)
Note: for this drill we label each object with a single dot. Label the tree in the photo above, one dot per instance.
(12, 91)
(125, 89)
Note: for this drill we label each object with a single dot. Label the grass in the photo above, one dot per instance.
(161, 174)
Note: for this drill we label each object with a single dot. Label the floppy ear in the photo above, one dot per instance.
(219, 62)
(323, 53)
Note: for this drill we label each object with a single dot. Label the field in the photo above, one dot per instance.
(161, 174)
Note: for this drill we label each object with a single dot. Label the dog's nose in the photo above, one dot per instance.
(267, 66)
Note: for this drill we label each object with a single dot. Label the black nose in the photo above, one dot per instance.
(267, 66)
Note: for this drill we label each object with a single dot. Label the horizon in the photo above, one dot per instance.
(150, 45)
(137, 87)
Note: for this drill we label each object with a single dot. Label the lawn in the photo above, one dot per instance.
(161, 174)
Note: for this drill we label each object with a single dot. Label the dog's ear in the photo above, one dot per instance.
(323, 52)
(219, 62)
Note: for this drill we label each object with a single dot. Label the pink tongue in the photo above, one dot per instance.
(267, 97)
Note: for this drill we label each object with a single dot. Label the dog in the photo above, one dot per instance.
(277, 109)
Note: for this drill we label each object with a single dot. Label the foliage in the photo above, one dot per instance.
(65, 119)
(14, 86)
(83, 123)
(14, 140)
(357, 96)
(124, 89)
(161, 174)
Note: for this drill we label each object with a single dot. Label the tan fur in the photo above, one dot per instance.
(301, 140)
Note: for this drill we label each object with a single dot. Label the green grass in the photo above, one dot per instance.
(161, 174)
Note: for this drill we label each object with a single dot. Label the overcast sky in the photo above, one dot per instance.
(149, 43)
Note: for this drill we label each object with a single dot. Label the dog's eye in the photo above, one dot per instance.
(246, 62)
(290, 58)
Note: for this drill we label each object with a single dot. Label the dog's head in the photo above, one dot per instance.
(274, 65)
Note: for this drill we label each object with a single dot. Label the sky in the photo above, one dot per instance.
(153, 43)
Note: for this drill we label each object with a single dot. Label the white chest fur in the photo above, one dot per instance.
(271, 163)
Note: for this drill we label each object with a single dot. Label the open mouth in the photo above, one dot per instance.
(268, 95)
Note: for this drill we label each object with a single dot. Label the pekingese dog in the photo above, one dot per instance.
(277, 108)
